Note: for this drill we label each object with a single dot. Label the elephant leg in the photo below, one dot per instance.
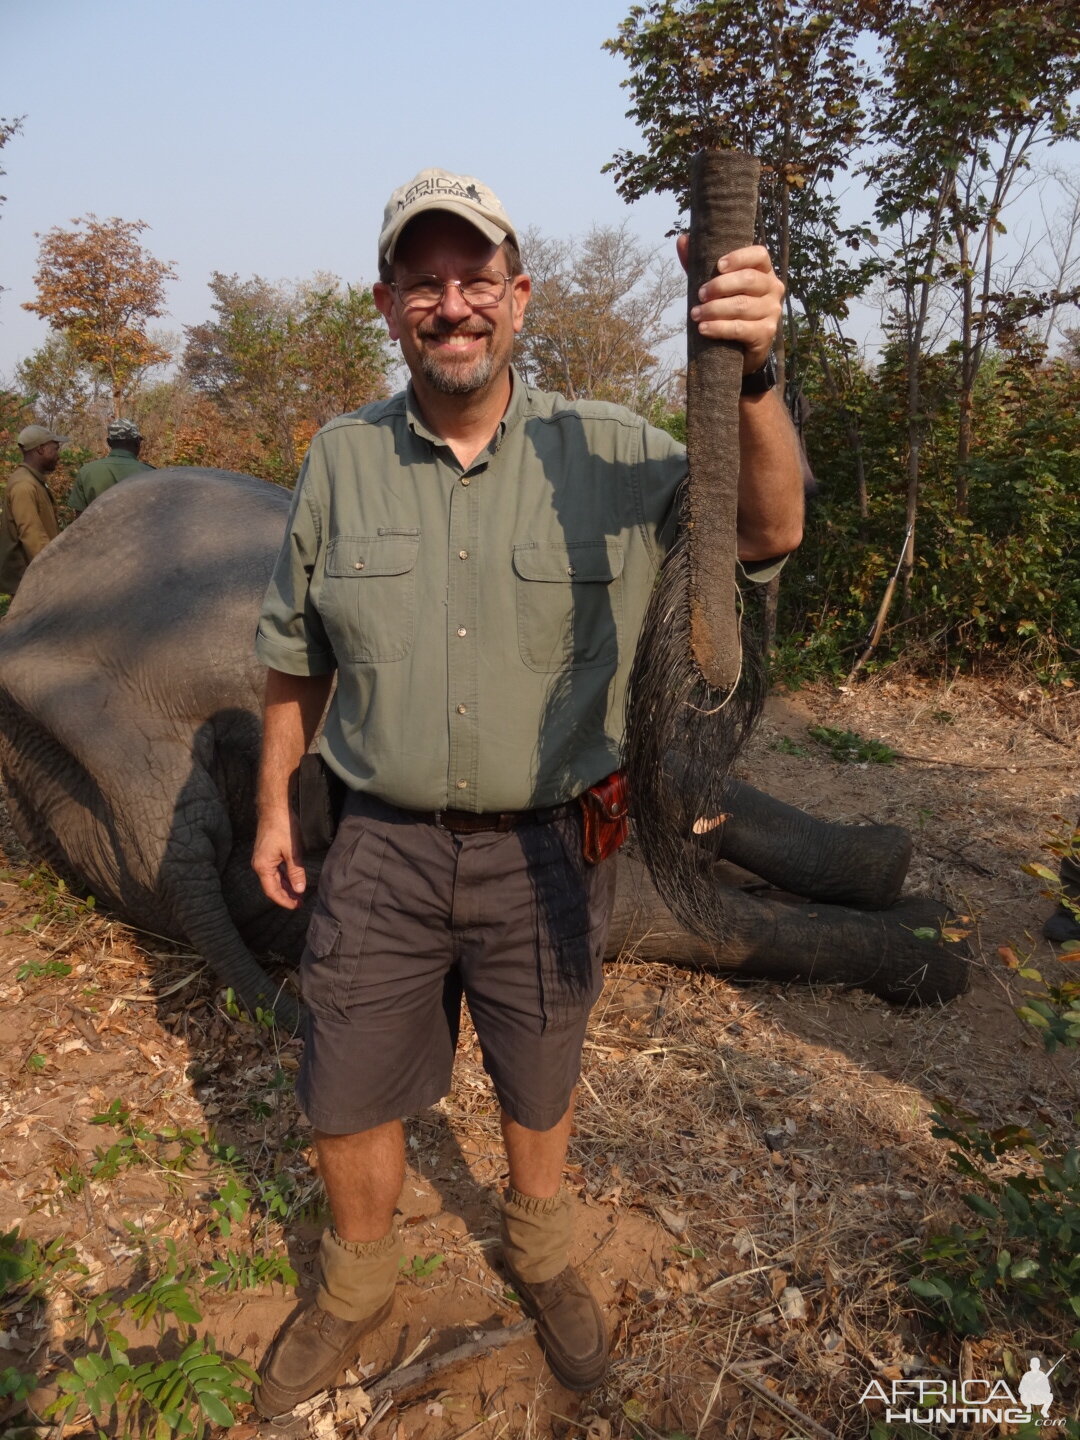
(859, 865)
(772, 940)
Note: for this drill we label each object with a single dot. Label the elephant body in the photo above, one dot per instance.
(130, 727)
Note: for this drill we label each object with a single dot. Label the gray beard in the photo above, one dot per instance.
(450, 380)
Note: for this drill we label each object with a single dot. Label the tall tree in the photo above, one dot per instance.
(98, 285)
(285, 359)
(782, 81)
(8, 128)
(974, 88)
(57, 382)
(599, 317)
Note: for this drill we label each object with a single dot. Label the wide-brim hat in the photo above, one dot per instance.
(436, 189)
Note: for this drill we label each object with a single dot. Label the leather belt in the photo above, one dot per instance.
(470, 822)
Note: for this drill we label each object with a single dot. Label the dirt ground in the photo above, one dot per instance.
(750, 1165)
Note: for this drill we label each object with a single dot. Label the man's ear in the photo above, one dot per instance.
(520, 291)
(384, 303)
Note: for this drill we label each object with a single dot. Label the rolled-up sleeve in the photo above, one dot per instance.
(291, 636)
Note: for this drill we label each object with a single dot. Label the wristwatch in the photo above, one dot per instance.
(758, 381)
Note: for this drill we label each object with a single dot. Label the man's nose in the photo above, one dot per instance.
(453, 306)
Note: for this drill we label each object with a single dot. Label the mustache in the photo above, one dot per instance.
(438, 328)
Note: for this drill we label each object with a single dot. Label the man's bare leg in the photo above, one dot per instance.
(358, 1260)
(363, 1174)
(536, 1157)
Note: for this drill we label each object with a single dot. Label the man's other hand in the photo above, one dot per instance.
(743, 302)
(276, 860)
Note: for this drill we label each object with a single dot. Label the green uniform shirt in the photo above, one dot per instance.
(482, 622)
(99, 475)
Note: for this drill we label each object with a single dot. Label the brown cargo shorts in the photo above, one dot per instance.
(409, 919)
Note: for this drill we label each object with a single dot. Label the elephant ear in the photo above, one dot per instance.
(697, 684)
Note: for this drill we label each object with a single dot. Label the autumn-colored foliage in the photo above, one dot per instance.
(279, 361)
(600, 317)
(98, 285)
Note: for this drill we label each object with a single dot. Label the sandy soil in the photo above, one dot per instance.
(734, 1143)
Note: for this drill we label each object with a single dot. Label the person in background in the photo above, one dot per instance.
(28, 517)
(94, 479)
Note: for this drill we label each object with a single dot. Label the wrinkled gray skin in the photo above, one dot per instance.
(129, 738)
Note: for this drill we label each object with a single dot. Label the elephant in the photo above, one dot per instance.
(129, 738)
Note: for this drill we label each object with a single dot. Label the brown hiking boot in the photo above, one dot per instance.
(310, 1351)
(569, 1326)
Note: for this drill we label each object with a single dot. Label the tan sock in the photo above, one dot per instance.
(536, 1234)
(358, 1277)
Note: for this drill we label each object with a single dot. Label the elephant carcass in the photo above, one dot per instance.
(129, 738)
(129, 712)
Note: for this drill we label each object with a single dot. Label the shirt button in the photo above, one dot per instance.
(464, 479)
(462, 554)
(570, 570)
(462, 709)
(462, 630)
(463, 784)
(358, 564)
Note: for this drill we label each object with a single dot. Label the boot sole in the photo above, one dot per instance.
(271, 1400)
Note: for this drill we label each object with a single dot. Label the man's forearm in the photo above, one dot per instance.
(771, 479)
(292, 709)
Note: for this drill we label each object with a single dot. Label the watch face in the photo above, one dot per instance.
(758, 381)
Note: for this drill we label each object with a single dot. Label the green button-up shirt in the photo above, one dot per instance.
(482, 621)
(101, 475)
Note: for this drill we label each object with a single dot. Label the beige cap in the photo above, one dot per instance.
(436, 189)
(35, 435)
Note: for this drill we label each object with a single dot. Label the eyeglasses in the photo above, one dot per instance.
(423, 292)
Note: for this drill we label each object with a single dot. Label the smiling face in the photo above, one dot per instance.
(451, 347)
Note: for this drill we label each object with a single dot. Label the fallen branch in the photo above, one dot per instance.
(778, 1403)
(1035, 724)
(994, 765)
(407, 1377)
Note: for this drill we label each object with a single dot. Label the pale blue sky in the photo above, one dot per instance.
(264, 136)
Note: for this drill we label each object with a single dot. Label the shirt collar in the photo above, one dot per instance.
(515, 411)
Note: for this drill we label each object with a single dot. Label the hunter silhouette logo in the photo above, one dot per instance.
(1034, 1389)
(971, 1401)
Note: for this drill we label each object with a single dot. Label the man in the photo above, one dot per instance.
(473, 559)
(125, 442)
(28, 518)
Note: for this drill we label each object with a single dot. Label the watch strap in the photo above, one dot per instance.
(757, 382)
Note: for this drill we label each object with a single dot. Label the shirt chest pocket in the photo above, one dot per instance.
(569, 604)
(369, 595)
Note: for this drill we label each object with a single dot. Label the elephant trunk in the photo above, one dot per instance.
(859, 865)
(203, 919)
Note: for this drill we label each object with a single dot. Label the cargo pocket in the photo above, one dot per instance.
(369, 595)
(569, 604)
(331, 967)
